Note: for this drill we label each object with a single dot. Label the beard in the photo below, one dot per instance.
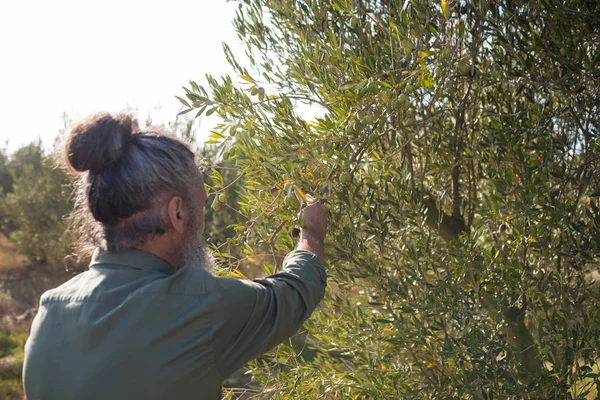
(196, 252)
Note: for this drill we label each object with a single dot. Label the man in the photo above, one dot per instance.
(147, 320)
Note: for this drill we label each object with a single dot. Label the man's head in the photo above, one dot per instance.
(137, 189)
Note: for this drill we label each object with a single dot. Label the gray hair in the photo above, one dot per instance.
(123, 177)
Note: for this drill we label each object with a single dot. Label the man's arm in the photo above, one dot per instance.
(257, 315)
(254, 316)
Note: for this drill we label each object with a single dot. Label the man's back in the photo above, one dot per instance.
(131, 328)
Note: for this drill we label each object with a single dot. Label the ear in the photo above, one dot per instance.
(175, 214)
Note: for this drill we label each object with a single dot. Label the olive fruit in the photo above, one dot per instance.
(463, 9)
(505, 247)
(373, 88)
(502, 227)
(373, 137)
(410, 88)
(354, 23)
(349, 129)
(345, 177)
(222, 198)
(295, 232)
(274, 191)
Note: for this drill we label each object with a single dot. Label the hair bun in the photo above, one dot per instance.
(98, 141)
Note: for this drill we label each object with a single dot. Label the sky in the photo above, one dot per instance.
(78, 57)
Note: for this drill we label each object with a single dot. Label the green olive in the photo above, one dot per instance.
(373, 88)
(357, 126)
(349, 129)
(345, 177)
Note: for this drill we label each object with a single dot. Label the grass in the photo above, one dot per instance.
(11, 345)
(11, 365)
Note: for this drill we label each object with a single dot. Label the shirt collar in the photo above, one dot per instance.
(131, 258)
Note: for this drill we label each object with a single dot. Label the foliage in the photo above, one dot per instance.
(11, 364)
(5, 175)
(457, 150)
(33, 211)
(221, 180)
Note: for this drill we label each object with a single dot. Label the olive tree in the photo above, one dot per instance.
(32, 210)
(456, 147)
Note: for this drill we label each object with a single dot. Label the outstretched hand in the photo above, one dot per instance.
(315, 219)
(312, 234)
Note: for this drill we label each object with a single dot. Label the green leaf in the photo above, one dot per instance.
(185, 103)
(185, 111)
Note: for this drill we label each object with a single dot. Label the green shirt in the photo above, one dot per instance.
(131, 327)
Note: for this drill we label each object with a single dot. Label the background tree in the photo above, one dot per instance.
(35, 205)
(5, 175)
(457, 151)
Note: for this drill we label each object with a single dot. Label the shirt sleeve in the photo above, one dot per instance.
(256, 315)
